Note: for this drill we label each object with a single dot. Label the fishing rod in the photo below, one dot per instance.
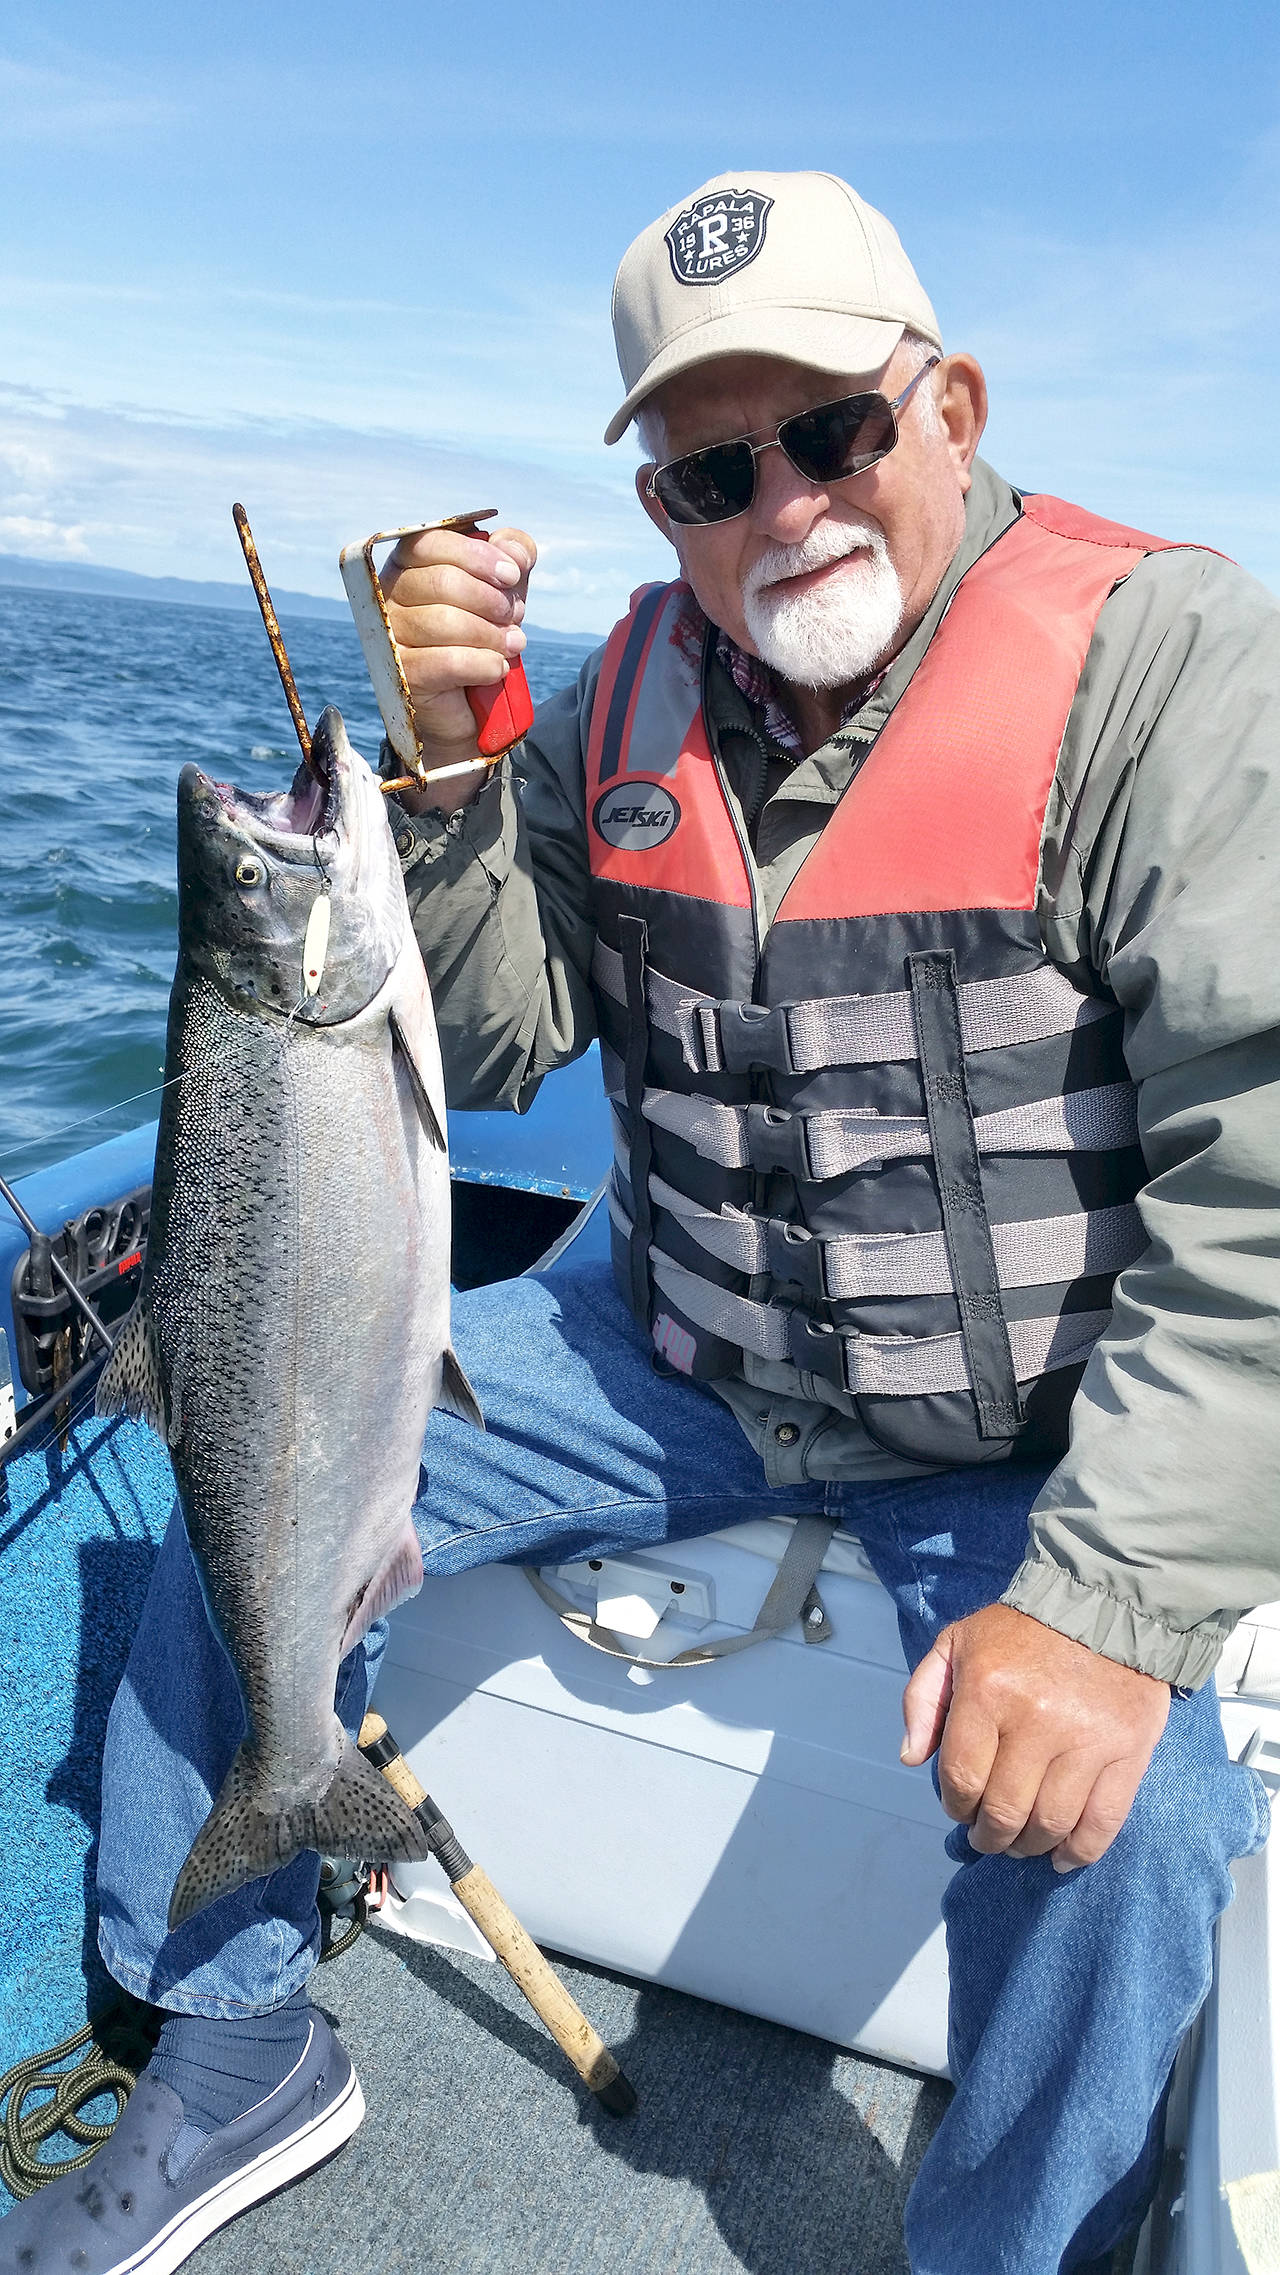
(42, 1414)
(60, 1272)
(550, 1999)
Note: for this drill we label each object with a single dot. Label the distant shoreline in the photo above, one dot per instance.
(35, 575)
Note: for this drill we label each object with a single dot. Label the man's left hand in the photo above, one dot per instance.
(1041, 1743)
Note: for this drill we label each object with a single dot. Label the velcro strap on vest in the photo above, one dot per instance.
(848, 1265)
(813, 1147)
(847, 1030)
(869, 1366)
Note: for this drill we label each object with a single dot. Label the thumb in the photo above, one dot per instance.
(925, 1702)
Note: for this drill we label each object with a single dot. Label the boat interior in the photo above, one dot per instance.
(727, 1863)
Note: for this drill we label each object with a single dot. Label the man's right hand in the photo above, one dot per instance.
(455, 605)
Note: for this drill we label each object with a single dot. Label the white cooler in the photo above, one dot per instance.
(741, 1830)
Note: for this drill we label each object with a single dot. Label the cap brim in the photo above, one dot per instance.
(827, 339)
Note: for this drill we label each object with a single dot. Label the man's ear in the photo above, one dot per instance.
(650, 504)
(962, 407)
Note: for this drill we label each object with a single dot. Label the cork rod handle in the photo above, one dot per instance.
(507, 1939)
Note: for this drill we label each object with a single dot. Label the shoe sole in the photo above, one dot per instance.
(273, 2170)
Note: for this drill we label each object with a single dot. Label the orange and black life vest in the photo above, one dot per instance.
(883, 1141)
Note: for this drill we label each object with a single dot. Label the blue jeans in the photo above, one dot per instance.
(1069, 1994)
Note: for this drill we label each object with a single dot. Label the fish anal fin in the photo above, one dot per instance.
(417, 1083)
(130, 1382)
(456, 1395)
(246, 1835)
(398, 1577)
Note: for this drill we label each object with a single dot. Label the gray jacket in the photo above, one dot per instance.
(1160, 880)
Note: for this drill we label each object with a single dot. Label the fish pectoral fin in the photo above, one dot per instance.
(456, 1395)
(417, 1083)
(247, 1834)
(400, 1576)
(130, 1381)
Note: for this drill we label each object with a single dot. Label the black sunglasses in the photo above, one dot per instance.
(825, 445)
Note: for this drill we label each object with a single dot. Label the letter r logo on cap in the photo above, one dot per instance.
(719, 233)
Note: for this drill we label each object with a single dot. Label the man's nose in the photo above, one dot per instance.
(786, 506)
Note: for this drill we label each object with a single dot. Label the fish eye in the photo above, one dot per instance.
(249, 871)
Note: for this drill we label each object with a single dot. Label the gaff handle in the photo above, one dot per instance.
(502, 713)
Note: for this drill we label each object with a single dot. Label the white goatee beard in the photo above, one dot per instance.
(836, 633)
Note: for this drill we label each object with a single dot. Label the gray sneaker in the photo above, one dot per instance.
(159, 2186)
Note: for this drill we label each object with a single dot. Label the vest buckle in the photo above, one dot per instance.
(794, 1256)
(816, 1346)
(776, 1140)
(754, 1035)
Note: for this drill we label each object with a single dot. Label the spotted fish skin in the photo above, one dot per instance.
(293, 1323)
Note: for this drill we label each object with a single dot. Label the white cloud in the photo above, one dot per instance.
(47, 540)
(155, 495)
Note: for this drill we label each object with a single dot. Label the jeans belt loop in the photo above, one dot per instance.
(755, 1035)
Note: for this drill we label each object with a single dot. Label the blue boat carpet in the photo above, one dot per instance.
(754, 2149)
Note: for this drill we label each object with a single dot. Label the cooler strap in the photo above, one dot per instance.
(793, 1595)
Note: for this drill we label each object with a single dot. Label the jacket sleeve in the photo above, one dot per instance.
(1160, 1526)
(500, 898)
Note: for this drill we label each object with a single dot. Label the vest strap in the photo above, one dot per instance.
(848, 1030)
(1037, 1253)
(635, 942)
(869, 1366)
(965, 1224)
(814, 1147)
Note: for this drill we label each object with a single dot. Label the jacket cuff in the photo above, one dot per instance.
(433, 836)
(1184, 1657)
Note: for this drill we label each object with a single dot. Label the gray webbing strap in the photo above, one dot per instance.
(1029, 1255)
(958, 1176)
(877, 1366)
(836, 1141)
(793, 1595)
(852, 1030)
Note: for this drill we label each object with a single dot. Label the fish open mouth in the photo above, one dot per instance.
(287, 819)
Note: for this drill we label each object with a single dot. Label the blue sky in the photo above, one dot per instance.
(354, 265)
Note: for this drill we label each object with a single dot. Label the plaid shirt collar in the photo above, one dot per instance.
(754, 680)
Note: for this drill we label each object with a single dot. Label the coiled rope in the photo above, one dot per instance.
(120, 2042)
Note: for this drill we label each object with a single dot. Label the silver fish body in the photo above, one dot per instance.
(292, 1333)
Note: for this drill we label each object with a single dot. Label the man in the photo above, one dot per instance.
(914, 858)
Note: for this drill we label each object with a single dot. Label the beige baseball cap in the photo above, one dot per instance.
(794, 265)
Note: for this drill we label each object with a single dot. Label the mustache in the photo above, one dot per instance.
(828, 543)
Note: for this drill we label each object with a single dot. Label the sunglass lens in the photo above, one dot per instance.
(839, 438)
(709, 485)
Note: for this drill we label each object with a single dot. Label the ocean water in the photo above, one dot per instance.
(102, 702)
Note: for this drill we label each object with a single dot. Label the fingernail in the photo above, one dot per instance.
(904, 1749)
(516, 640)
(505, 570)
(1061, 1866)
(517, 611)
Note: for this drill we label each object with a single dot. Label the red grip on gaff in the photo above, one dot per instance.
(503, 714)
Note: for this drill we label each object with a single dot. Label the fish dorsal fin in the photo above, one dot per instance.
(430, 1118)
(456, 1395)
(130, 1381)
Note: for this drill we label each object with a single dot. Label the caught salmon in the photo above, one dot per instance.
(292, 1331)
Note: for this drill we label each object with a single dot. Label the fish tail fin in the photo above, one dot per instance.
(244, 1837)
